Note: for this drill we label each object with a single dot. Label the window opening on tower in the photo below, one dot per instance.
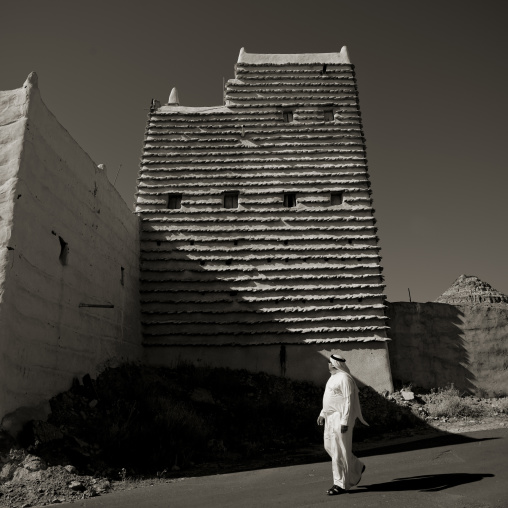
(174, 201)
(231, 199)
(336, 198)
(290, 199)
(287, 116)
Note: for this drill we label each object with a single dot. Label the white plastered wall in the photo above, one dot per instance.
(64, 310)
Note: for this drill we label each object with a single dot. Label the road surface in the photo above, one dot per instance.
(468, 474)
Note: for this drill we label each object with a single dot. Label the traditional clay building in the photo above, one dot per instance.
(258, 245)
(258, 248)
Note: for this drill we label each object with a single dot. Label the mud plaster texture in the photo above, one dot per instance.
(436, 344)
(233, 272)
(68, 243)
(368, 362)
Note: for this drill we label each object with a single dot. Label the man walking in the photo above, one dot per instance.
(341, 408)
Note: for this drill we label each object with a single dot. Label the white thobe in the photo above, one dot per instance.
(341, 406)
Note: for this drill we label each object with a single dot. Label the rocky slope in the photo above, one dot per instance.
(468, 289)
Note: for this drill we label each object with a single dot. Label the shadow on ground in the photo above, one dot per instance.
(441, 439)
(315, 453)
(425, 483)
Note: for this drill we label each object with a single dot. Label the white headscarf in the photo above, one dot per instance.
(338, 362)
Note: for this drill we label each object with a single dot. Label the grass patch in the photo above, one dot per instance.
(501, 406)
(448, 402)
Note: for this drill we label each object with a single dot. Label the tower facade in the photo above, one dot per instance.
(257, 221)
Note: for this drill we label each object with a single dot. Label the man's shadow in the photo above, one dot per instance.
(424, 483)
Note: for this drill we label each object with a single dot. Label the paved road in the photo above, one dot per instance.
(470, 474)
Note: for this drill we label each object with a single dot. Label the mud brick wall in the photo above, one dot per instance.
(257, 220)
(435, 344)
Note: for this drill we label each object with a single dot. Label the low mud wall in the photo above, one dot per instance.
(435, 344)
(368, 361)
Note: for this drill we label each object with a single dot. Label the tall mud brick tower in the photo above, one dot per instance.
(259, 246)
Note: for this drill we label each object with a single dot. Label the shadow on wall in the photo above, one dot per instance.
(193, 293)
(428, 346)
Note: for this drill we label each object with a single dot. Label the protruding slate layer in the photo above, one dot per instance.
(261, 272)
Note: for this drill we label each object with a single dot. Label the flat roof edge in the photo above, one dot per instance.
(170, 108)
(341, 57)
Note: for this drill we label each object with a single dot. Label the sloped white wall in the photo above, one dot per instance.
(66, 308)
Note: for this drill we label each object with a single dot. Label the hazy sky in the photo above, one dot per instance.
(432, 80)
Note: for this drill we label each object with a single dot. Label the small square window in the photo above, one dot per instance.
(336, 198)
(290, 199)
(174, 201)
(328, 114)
(287, 116)
(231, 199)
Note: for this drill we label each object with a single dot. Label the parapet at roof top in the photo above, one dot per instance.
(295, 58)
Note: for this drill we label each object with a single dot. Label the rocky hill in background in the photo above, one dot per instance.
(469, 289)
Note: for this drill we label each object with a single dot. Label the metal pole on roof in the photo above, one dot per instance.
(409, 294)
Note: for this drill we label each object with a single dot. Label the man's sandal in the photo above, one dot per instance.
(334, 491)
